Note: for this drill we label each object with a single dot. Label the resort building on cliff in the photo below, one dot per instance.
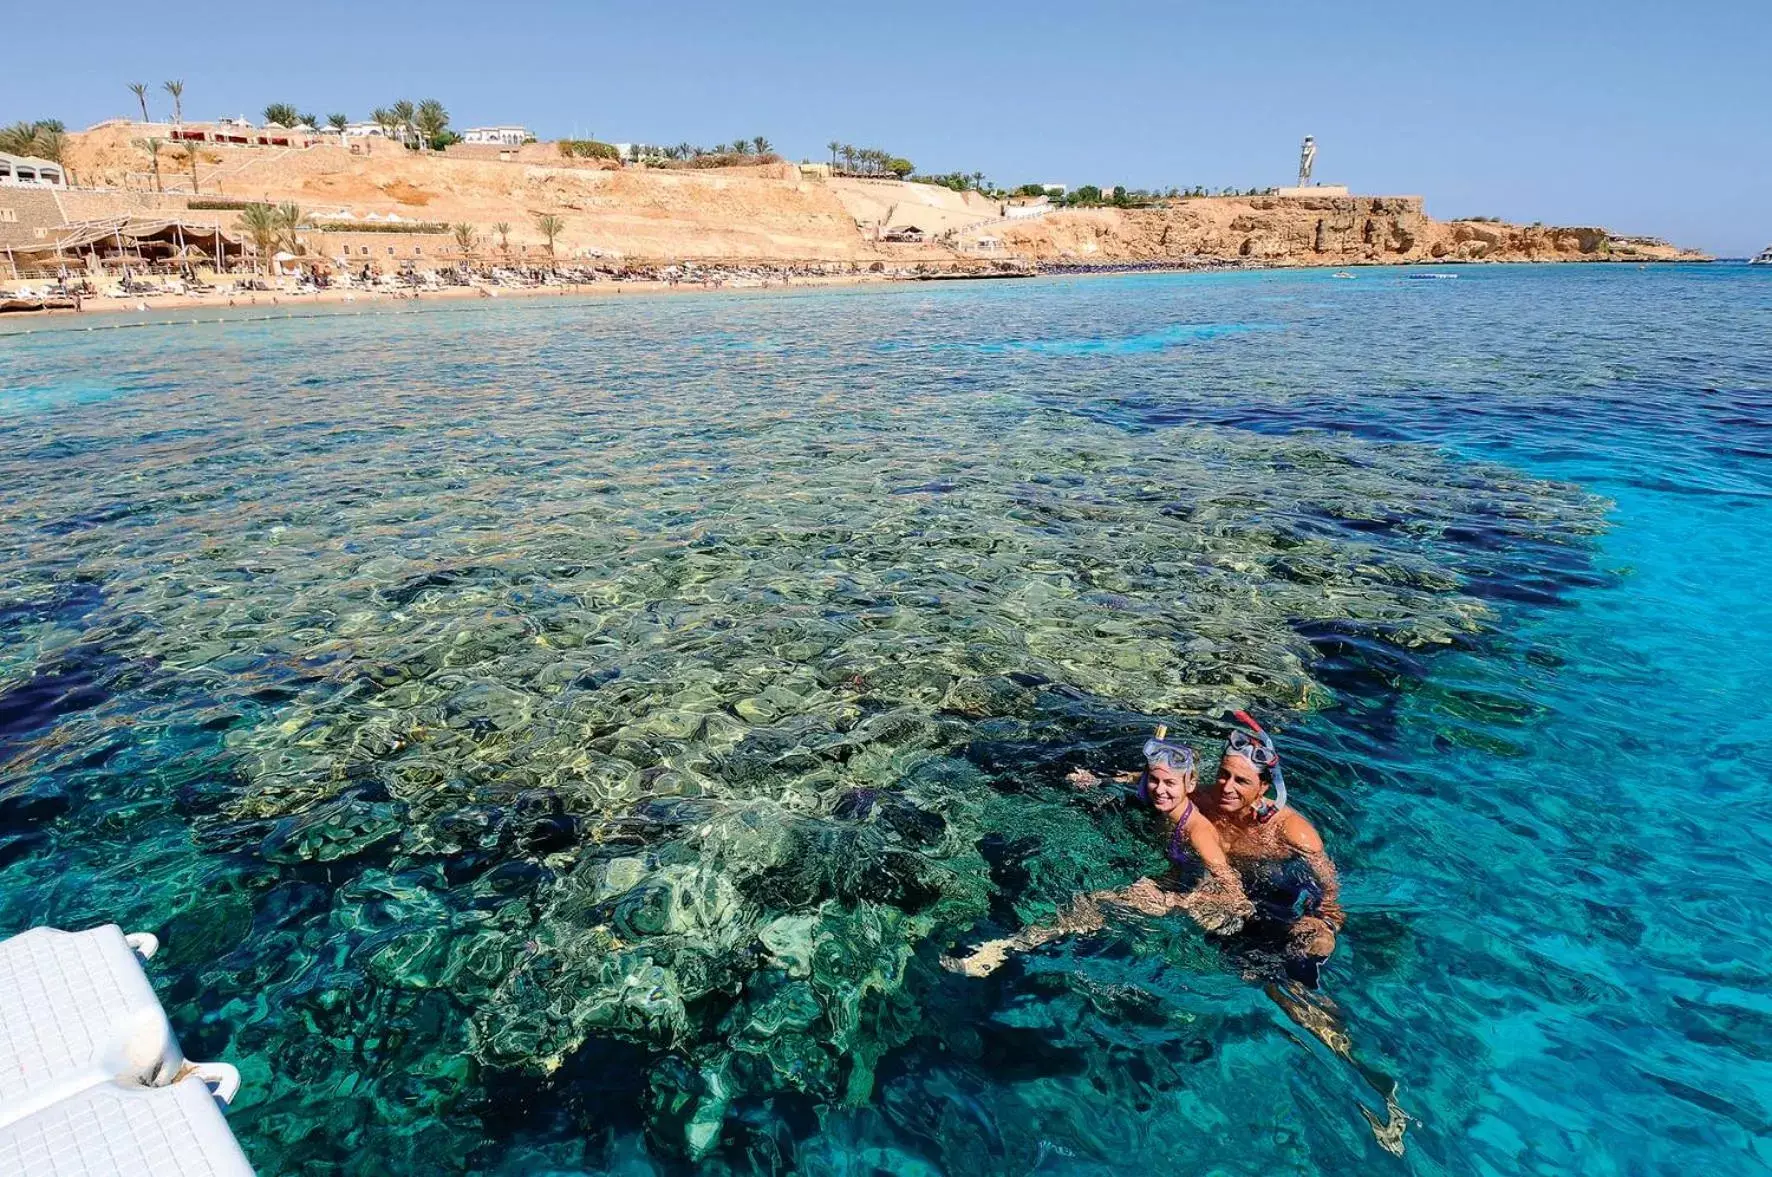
(505, 136)
(28, 171)
(241, 133)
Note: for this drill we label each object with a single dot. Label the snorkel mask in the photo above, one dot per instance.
(1257, 747)
(1160, 753)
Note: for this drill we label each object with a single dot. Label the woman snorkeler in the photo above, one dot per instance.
(1242, 865)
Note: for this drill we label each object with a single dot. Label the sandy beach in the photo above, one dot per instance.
(292, 300)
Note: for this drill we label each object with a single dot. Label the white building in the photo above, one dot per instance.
(506, 136)
(30, 172)
(364, 131)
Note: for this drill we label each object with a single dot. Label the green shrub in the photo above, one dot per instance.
(588, 149)
(382, 227)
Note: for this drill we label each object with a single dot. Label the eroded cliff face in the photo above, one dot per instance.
(1314, 230)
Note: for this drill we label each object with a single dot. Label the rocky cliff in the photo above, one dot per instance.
(771, 213)
(1312, 230)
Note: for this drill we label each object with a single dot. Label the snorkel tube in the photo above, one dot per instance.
(1267, 742)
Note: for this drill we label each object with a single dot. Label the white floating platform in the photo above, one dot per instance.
(116, 1131)
(92, 1080)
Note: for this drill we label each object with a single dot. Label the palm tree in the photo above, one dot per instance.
(464, 236)
(503, 229)
(177, 90)
(338, 122)
(42, 139)
(288, 219)
(152, 146)
(189, 152)
(265, 226)
(550, 226)
(762, 145)
(282, 113)
(835, 147)
(140, 90)
(431, 120)
(848, 158)
(404, 113)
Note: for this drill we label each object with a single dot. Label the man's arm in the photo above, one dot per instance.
(1219, 903)
(1297, 832)
(1203, 837)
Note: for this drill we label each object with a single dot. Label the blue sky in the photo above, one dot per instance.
(1648, 118)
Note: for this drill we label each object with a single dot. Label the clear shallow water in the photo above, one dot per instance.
(649, 692)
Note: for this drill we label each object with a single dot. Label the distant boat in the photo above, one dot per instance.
(1341, 274)
(1764, 257)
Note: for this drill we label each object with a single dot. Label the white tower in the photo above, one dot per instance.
(1307, 156)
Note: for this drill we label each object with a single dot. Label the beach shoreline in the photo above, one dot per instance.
(344, 296)
(115, 311)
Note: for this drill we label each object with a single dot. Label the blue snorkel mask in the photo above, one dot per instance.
(1160, 753)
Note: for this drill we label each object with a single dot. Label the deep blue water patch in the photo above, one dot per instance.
(1161, 339)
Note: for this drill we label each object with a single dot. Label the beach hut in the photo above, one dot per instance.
(128, 240)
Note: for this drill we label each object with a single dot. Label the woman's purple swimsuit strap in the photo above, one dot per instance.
(1179, 851)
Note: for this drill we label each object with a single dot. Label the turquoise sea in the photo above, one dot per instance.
(560, 737)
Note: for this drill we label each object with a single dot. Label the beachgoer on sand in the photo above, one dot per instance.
(1244, 866)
